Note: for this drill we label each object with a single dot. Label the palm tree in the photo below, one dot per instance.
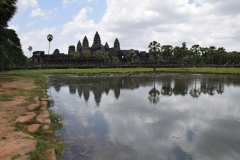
(30, 49)
(203, 53)
(212, 51)
(49, 38)
(154, 50)
(221, 51)
(195, 49)
(87, 54)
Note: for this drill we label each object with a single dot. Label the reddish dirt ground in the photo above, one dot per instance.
(13, 141)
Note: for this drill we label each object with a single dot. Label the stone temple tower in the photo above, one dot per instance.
(85, 43)
(71, 49)
(79, 47)
(96, 41)
(116, 44)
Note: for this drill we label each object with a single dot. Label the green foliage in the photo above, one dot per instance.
(6, 97)
(76, 55)
(10, 48)
(128, 55)
(7, 10)
(115, 60)
(15, 156)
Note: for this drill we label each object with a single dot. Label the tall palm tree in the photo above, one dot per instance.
(195, 49)
(30, 49)
(154, 50)
(212, 51)
(49, 38)
(221, 52)
(203, 53)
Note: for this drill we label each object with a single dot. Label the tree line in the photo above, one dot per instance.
(10, 46)
(193, 55)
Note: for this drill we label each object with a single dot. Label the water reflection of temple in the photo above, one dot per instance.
(180, 85)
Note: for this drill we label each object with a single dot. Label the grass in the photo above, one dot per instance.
(6, 97)
(15, 156)
(3, 137)
(37, 74)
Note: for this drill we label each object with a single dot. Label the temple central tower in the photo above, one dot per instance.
(96, 41)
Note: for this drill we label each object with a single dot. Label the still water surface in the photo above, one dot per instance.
(184, 117)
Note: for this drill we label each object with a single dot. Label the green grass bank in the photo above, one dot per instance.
(38, 73)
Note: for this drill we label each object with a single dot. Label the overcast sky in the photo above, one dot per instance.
(134, 22)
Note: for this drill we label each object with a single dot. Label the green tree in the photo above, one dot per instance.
(105, 57)
(211, 51)
(195, 50)
(221, 52)
(204, 53)
(7, 10)
(128, 55)
(154, 49)
(87, 54)
(10, 46)
(115, 60)
(98, 55)
(76, 55)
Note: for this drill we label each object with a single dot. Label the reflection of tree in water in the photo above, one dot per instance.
(194, 92)
(180, 87)
(154, 93)
(166, 88)
(57, 86)
(181, 83)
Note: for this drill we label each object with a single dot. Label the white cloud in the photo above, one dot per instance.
(37, 38)
(30, 24)
(79, 22)
(25, 4)
(76, 1)
(46, 14)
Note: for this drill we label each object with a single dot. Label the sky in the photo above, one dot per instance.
(135, 23)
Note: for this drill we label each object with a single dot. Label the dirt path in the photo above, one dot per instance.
(13, 100)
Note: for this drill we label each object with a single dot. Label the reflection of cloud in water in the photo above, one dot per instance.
(178, 127)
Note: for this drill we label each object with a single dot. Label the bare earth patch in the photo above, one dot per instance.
(12, 141)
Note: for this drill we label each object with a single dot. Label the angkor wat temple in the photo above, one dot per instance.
(39, 57)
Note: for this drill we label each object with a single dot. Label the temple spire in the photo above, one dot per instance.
(85, 42)
(79, 47)
(116, 44)
(96, 41)
(106, 45)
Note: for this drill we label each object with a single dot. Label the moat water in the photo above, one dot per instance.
(184, 117)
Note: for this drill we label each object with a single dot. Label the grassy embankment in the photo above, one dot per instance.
(46, 140)
(38, 73)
